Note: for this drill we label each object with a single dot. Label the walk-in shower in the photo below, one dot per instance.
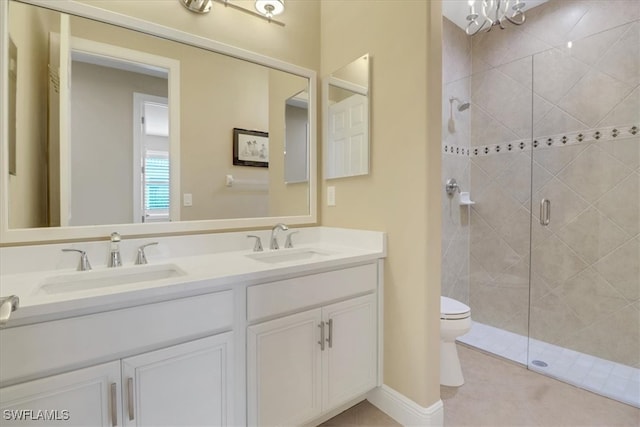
(554, 114)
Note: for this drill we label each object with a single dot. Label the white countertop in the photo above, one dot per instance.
(207, 267)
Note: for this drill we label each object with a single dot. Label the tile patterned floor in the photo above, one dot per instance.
(363, 414)
(500, 393)
(601, 376)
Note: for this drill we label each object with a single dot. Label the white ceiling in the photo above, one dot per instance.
(457, 10)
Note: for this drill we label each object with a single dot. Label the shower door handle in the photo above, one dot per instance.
(545, 212)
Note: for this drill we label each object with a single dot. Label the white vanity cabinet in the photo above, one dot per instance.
(186, 384)
(303, 365)
(84, 397)
(148, 379)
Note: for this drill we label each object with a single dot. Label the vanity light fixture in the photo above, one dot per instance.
(493, 12)
(270, 8)
(197, 6)
(266, 9)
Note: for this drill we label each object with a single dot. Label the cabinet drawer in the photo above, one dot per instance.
(71, 343)
(285, 296)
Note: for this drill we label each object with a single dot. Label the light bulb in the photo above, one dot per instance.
(270, 8)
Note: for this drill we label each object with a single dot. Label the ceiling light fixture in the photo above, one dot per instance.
(270, 8)
(197, 6)
(494, 12)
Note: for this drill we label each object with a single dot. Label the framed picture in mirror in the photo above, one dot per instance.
(250, 148)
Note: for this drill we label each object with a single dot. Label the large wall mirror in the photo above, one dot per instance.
(130, 127)
(346, 120)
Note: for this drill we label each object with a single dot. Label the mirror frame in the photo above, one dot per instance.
(46, 234)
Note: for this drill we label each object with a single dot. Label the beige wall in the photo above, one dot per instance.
(401, 195)
(29, 30)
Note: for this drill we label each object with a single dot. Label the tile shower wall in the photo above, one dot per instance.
(456, 130)
(585, 113)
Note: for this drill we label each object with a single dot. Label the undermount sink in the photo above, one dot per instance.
(84, 280)
(289, 255)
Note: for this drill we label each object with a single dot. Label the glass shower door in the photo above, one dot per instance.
(584, 319)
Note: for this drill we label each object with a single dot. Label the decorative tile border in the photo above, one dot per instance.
(580, 137)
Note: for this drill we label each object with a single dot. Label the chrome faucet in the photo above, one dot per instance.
(141, 259)
(114, 255)
(273, 242)
(7, 306)
(84, 264)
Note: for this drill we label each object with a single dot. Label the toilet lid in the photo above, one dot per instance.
(453, 309)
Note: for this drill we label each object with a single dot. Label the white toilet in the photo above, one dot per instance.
(455, 321)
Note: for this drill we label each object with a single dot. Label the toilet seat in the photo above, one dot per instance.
(451, 309)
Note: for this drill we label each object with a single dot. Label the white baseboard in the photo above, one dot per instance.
(404, 410)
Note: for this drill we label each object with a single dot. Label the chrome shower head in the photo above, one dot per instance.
(462, 106)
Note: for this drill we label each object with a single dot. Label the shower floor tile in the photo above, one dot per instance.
(600, 376)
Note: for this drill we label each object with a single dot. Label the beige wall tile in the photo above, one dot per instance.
(622, 269)
(621, 60)
(601, 17)
(494, 254)
(557, 121)
(626, 113)
(487, 130)
(594, 187)
(591, 297)
(553, 21)
(456, 52)
(495, 205)
(592, 235)
(552, 320)
(557, 158)
(594, 96)
(566, 204)
(555, 74)
(515, 231)
(555, 262)
(622, 204)
(591, 49)
(615, 337)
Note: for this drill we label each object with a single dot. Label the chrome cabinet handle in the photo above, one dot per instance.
(114, 405)
(545, 212)
(330, 339)
(130, 398)
(322, 339)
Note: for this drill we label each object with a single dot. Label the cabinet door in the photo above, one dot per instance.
(185, 385)
(350, 363)
(86, 397)
(284, 370)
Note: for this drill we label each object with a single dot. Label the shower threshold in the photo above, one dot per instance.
(610, 379)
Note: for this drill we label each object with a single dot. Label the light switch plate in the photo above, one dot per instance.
(187, 199)
(331, 196)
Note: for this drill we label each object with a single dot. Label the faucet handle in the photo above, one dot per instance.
(84, 264)
(289, 243)
(141, 259)
(257, 247)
